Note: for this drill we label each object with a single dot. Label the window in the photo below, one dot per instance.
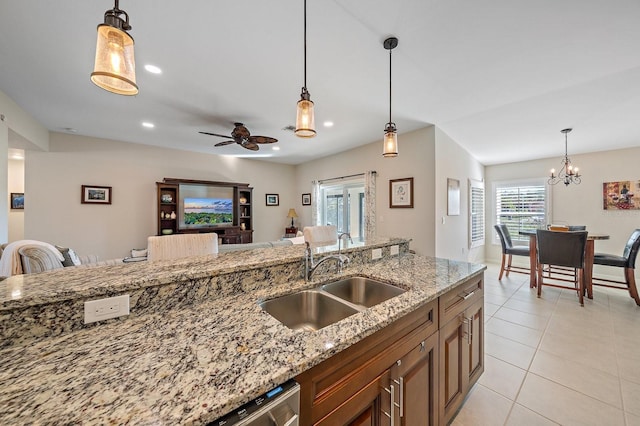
(521, 205)
(476, 213)
(342, 206)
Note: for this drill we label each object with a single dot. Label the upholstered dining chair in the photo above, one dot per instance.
(561, 249)
(626, 261)
(508, 251)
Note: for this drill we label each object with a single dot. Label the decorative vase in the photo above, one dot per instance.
(161, 215)
(242, 226)
(243, 200)
(173, 215)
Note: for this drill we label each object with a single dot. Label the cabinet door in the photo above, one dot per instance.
(453, 360)
(416, 376)
(367, 407)
(474, 321)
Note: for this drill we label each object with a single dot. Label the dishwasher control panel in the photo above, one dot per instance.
(280, 406)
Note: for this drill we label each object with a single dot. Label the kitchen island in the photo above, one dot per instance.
(191, 363)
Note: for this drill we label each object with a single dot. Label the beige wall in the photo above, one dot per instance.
(16, 184)
(416, 159)
(4, 193)
(576, 204)
(452, 232)
(53, 183)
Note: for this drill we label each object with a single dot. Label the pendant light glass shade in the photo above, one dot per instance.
(305, 121)
(390, 148)
(115, 69)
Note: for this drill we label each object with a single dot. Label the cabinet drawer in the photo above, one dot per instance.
(460, 298)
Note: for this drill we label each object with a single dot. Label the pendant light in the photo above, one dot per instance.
(390, 148)
(567, 174)
(115, 68)
(305, 121)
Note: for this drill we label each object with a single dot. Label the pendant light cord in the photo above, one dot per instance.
(305, 45)
(390, 85)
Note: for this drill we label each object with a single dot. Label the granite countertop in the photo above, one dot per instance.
(192, 365)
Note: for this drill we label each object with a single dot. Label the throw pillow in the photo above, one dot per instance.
(138, 252)
(67, 257)
(74, 257)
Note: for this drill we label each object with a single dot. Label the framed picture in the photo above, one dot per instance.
(272, 199)
(621, 195)
(453, 197)
(17, 201)
(96, 194)
(401, 193)
(306, 199)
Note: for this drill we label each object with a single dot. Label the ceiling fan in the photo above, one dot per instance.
(242, 137)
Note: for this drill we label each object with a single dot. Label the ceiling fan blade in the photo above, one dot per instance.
(224, 143)
(262, 139)
(215, 134)
(251, 146)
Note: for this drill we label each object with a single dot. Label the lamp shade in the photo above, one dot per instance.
(115, 69)
(305, 121)
(390, 147)
(292, 213)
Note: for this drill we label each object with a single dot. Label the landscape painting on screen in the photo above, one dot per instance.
(621, 195)
(208, 211)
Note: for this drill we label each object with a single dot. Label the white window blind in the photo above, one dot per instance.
(476, 213)
(521, 207)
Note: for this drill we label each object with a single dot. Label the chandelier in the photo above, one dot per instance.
(567, 174)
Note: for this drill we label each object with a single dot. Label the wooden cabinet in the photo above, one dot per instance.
(359, 380)
(461, 345)
(169, 205)
(429, 359)
(167, 196)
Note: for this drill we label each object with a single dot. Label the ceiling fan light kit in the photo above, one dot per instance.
(390, 142)
(305, 120)
(114, 68)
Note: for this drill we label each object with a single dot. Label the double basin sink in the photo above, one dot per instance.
(314, 309)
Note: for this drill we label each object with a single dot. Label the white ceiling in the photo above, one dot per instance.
(501, 77)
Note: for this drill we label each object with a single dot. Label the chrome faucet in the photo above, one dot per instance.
(310, 267)
(340, 235)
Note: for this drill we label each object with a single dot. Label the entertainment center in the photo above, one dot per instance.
(200, 206)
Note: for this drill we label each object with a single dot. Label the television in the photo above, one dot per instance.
(205, 206)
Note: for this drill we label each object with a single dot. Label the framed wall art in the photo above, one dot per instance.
(306, 199)
(96, 194)
(453, 197)
(17, 201)
(621, 195)
(272, 199)
(401, 193)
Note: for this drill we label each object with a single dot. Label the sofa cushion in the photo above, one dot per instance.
(38, 259)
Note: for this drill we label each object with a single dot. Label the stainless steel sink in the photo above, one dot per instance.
(308, 310)
(362, 291)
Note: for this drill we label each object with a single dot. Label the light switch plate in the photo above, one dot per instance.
(102, 309)
(376, 253)
(394, 250)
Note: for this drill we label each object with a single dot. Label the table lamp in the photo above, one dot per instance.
(292, 214)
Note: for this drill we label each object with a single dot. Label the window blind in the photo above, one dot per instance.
(476, 214)
(521, 208)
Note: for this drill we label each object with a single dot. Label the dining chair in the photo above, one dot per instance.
(561, 249)
(570, 272)
(508, 250)
(626, 261)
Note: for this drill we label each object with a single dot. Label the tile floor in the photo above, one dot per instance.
(549, 361)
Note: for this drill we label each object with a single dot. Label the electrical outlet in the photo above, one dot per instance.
(102, 309)
(394, 250)
(376, 254)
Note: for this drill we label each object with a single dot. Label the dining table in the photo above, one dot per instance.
(589, 251)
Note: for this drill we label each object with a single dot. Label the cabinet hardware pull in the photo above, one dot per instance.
(469, 331)
(422, 346)
(466, 295)
(401, 385)
(393, 403)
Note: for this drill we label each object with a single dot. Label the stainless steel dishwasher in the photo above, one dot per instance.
(278, 407)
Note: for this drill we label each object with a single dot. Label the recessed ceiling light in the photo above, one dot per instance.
(275, 148)
(153, 69)
(148, 125)
(328, 124)
(69, 130)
